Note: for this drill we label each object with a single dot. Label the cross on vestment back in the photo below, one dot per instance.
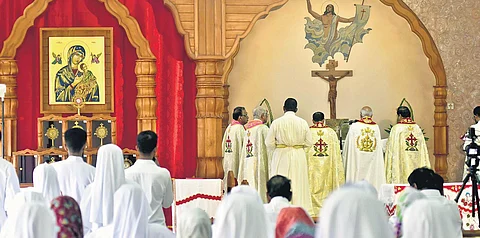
(332, 76)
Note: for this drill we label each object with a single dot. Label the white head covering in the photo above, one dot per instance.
(364, 214)
(367, 187)
(22, 198)
(45, 181)
(109, 176)
(240, 215)
(194, 224)
(131, 211)
(431, 218)
(32, 220)
(248, 190)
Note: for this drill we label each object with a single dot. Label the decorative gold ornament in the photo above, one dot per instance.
(52, 134)
(101, 133)
(366, 141)
(78, 103)
(127, 163)
(77, 125)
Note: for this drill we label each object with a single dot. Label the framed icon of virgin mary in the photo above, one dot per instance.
(76, 64)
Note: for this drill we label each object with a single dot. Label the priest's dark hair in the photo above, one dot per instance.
(423, 178)
(75, 140)
(318, 116)
(290, 105)
(147, 142)
(279, 186)
(476, 111)
(404, 111)
(237, 112)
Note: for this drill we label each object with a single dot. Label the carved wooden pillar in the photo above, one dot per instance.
(225, 114)
(440, 130)
(209, 103)
(8, 76)
(146, 102)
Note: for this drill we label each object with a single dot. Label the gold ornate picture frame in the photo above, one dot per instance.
(76, 65)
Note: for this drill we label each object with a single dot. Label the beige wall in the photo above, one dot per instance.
(387, 67)
(454, 26)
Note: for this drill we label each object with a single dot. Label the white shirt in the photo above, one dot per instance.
(74, 175)
(9, 186)
(433, 217)
(156, 184)
(274, 207)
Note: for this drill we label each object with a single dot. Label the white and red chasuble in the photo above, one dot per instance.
(232, 148)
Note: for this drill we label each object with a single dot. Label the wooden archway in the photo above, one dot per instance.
(145, 68)
(212, 31)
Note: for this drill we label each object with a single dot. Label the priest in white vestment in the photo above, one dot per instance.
(10, 186)
(74, 175)
(254, 161)
(406, 149)
(154, 180)
(232, 143)
(363, 155)
(289, 136)
(325, 167)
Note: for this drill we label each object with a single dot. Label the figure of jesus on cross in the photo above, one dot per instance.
(332, 76)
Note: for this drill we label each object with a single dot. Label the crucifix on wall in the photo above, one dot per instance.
(332, 76)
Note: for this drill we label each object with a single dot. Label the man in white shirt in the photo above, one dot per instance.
(288, 137)
(279, 194)
(447, 218)
(8, 188)
(74, 175)
(154, 180)
(467, 139)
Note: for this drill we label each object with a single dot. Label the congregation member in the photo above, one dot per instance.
(130, 217)
(325, 166)
(254, 160)
(288, 137)
(45, 181)
(466, 138)
(232, 143)
(294, 222)
(23, 197)
(9, 186)
(68, 217)
(32, 220)
(350, 212)
(406, 148)
(279, 195)
(155, 181)
(240, 215)
(74, 175)
(408, 196)
(362, 155)
(97, 204)
(194, 224)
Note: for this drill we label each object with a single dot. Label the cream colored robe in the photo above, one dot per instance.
(232, 149)
(288, 137)
(406, 151)
(363, 155)
(325, 167)
(254, 159)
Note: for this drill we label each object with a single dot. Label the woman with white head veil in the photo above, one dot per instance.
(22, 198)
(131, 211)
(241, 214)
(361, 211)
(195, 223)
(45, 181)
(97, 204)
(34, 219)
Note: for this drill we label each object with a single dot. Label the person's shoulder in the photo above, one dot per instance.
(5, 164)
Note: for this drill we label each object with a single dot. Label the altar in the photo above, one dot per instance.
(389, 194)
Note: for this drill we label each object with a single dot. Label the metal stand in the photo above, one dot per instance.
(475, 199)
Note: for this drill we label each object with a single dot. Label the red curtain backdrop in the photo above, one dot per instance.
(175, 90)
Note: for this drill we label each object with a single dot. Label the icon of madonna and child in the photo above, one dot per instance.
(75, 80)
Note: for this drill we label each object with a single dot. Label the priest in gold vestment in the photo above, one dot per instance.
(233, 142)
(325, 168)
(362, 154)
(406, 148)
(254, 159)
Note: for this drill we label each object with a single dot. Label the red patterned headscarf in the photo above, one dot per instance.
(68, 217)
(293, 222)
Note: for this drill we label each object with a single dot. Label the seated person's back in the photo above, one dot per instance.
(73, 173)
(155, 181)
